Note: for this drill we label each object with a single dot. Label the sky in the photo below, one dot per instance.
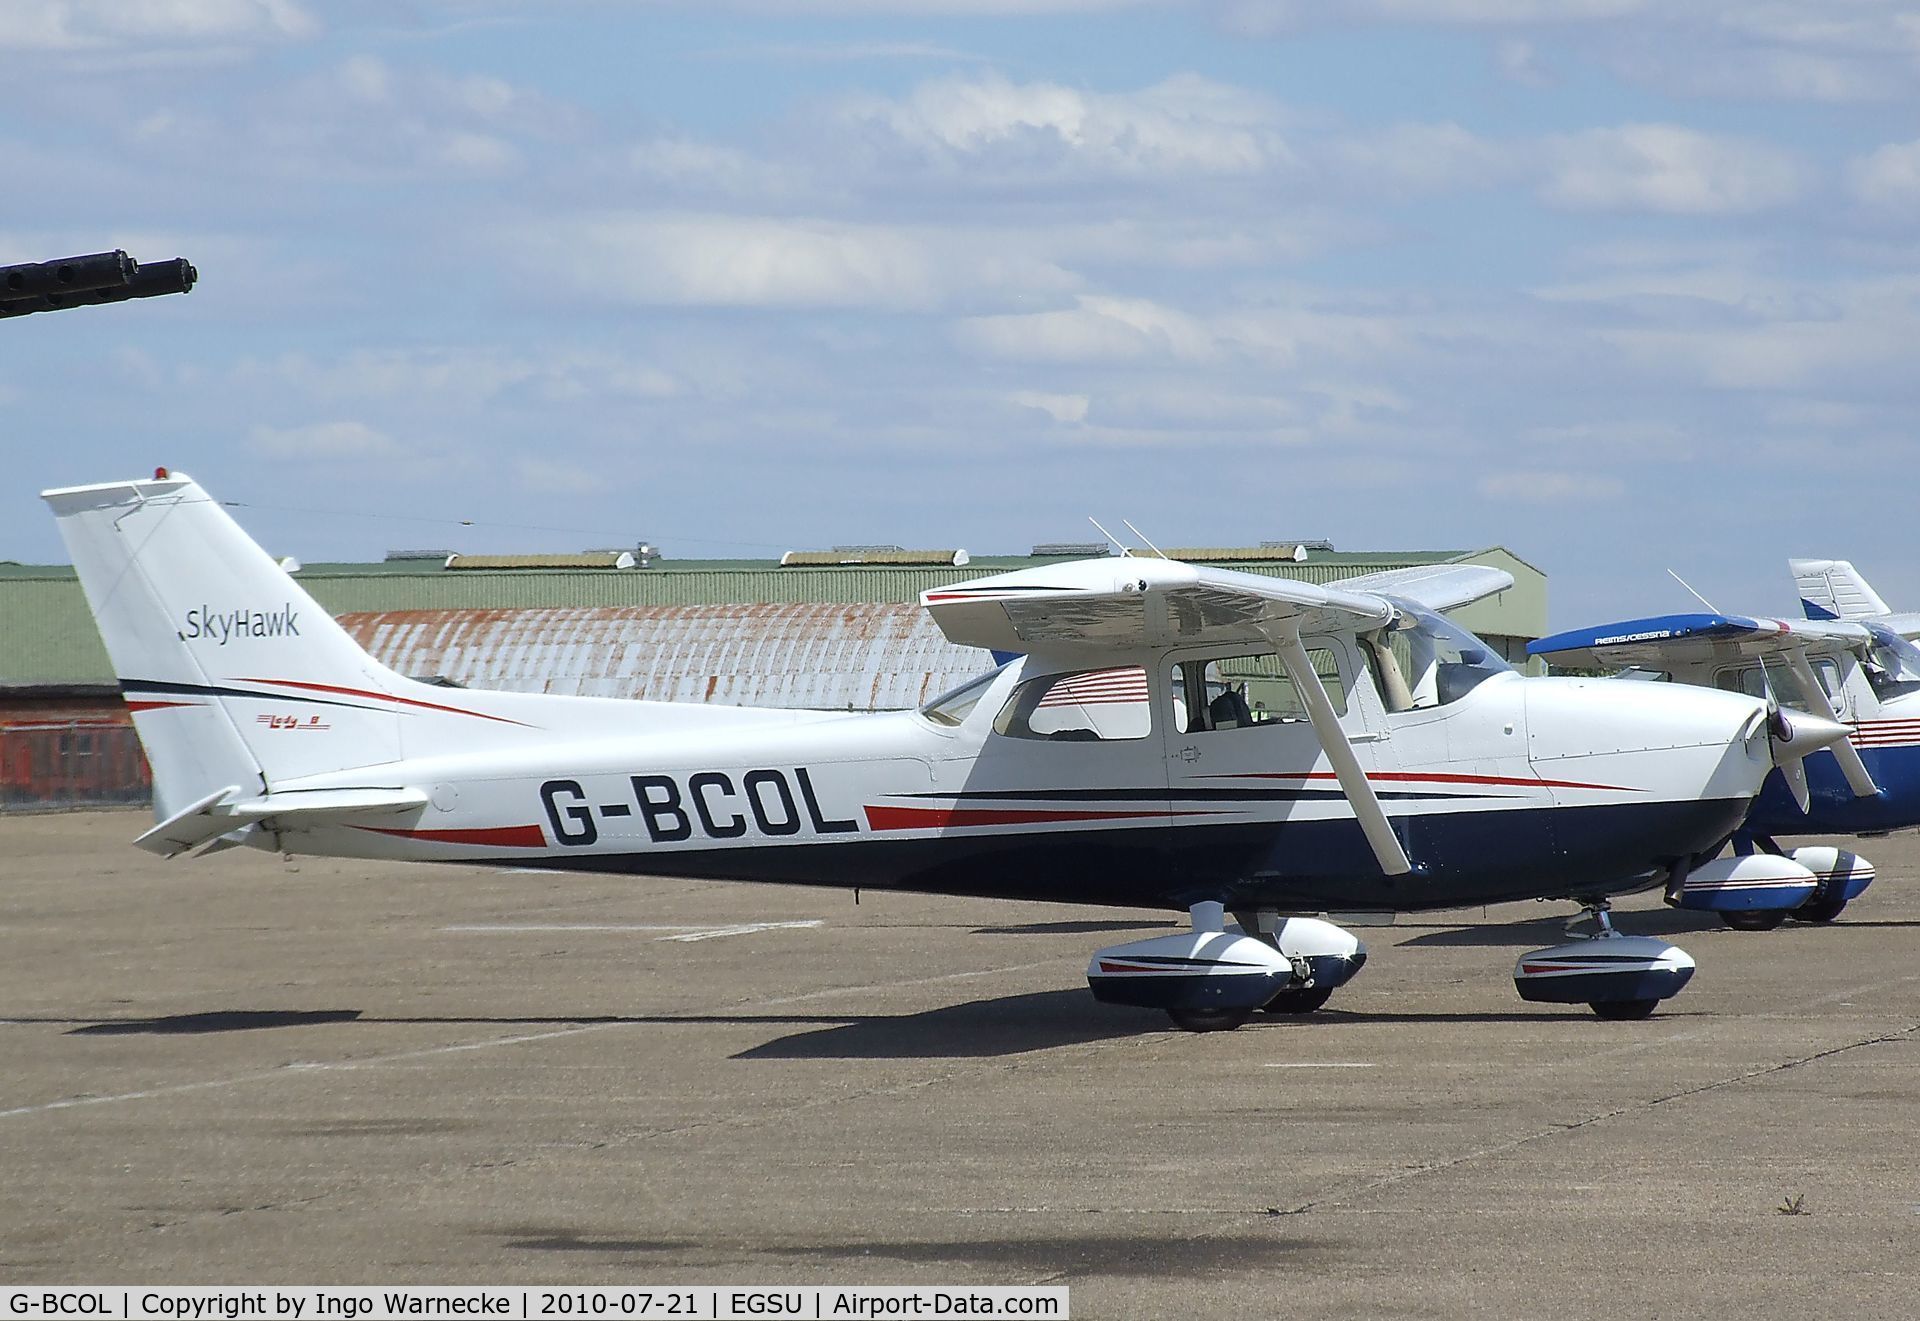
(1622, 285)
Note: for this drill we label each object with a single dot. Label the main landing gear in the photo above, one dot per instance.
(1617, 976)
(1217, 976)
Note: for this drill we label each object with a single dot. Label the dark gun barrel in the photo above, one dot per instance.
(99, 270)
(143, 281)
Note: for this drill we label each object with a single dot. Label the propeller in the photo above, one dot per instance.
(1858, 777)
(1796, 736)
(1793, 735)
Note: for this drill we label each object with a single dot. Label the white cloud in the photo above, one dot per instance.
(557, 477)
(1063, 408)
(1796, 50)
(1889, 177)
(1416, 158)
(457, 378)
(93, 25)
(1551, 488)
(1096, 329)
(1668, 168)
(1186, 124)
(1520, 62)
(322, 441)
(1278, 16)
(717, 260)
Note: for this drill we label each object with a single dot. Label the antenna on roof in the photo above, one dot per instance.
(1143, 536)
(1696, 596)
(1766, 680)
(1109, 536)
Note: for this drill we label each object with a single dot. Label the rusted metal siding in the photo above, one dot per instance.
(799, 655)
(67, 764)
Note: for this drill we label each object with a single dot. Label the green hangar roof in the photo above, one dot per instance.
(49, 637)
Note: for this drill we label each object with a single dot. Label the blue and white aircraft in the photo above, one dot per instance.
(1852, 660)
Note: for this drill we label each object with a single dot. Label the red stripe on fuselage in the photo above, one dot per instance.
(137, 707)
(506, 837)
(382, 697)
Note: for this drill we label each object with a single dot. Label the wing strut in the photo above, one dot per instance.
(1333, 739)
(1858, 777)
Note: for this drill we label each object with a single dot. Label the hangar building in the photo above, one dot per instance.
(826, 630)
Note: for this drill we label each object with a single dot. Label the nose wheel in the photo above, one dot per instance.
(1618, 977)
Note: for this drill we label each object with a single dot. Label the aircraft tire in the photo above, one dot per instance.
(1818, 910)
(1623, 1011)
(1208, 1020)
(1755, 919)
(1304, 1000)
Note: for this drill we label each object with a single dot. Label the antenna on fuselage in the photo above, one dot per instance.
(1766, 680)
(1125, 551)
(1143, 536)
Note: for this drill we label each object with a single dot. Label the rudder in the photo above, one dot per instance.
(235, 677)
(1834, 589)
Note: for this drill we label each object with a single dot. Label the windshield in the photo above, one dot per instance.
(1893, 663)
(950, 708)
(1424, 660)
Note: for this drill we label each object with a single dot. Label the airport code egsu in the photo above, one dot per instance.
(763, 802)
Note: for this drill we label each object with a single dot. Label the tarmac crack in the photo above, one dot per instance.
(1558, 1130)
(1224, 1223)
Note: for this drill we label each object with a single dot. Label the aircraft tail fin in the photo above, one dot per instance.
(236, 678)
(1834, 589)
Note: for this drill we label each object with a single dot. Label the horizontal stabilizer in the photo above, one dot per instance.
(192, 825)
(213, 816)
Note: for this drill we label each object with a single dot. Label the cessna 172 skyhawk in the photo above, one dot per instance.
(1171, 737)
(1851, 660)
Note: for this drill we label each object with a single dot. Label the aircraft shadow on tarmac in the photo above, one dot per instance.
(1553, 930)
(1070, 928)
(1146, 1254)
(221, 1020)
(978, 1029)
(1010, 1025)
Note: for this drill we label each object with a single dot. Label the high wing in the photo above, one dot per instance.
(1133, 602)
(1137, 601)
(1128, 602)
(1665, 642)
(1435, 586)
(1690, 645)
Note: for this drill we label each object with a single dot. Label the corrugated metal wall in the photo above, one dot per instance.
(51, 637)
(811, 655)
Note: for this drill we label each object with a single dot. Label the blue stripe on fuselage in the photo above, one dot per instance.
(1461, 858)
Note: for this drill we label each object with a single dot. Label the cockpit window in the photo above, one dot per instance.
(1424, 660)
(1893, 663)
(1242, 692)
(950, 708)
(1087, 706)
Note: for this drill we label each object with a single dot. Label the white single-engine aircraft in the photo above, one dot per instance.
(1172, 737)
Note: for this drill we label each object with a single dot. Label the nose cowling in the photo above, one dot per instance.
(1656, 741)
(1794, 734)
